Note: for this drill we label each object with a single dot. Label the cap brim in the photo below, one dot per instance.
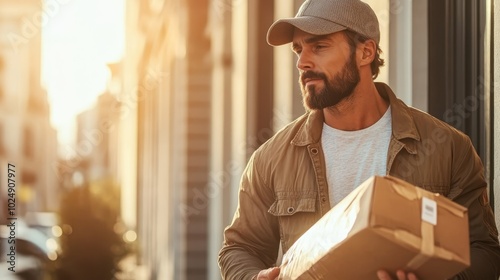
(281, 32)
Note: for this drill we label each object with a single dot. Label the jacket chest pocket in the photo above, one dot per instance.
(296, 216)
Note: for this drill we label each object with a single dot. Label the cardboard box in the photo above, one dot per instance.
(386, 223)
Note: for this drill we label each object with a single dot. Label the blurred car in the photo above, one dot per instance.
(31, 252)
(47, 223)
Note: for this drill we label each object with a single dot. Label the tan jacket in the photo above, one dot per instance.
(284, 190)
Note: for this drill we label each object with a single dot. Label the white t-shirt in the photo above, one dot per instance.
(354, 156)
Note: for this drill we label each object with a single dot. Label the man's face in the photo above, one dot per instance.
(327, 66)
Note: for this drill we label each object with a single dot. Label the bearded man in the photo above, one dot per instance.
(354, 128)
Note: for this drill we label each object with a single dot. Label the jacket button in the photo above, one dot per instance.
(314, 151)
(323, 199)
(290, 210)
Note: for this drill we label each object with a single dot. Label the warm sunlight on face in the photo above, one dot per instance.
(79, 39)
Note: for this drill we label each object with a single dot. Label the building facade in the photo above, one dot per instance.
(97, 137)
(27, 139)
(495, 107)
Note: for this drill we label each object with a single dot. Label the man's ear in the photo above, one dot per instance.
(368, 51)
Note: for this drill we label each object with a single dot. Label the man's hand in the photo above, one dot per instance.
(383, 275)
(269, 274)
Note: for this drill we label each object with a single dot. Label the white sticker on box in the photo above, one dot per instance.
(429, 210)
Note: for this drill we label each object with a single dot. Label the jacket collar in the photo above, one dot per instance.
(403, 125)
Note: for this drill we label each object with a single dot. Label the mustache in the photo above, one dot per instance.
(311, 75)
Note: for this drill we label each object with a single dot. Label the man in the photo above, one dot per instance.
(353, 129)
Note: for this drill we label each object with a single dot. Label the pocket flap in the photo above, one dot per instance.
(287, 207)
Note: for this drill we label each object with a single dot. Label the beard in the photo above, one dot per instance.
(334, 91)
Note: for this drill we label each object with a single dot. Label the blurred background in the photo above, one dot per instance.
(129, 122)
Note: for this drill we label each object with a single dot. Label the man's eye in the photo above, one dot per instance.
(319, 47)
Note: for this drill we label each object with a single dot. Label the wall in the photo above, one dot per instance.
(496, 108)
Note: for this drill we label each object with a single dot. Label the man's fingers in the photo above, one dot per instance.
(274, 272)
(412, 276)
(401, 275)
(383, 275)
(269, 274)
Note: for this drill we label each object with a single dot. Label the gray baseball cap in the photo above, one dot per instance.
(321, 17)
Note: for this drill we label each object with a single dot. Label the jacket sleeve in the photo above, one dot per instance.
(469, 188)
(251, 242)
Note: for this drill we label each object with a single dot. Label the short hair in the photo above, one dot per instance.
(353, 39)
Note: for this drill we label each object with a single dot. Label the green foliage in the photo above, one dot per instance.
(91, 247)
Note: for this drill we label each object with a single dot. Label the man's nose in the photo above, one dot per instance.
(304, 62)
